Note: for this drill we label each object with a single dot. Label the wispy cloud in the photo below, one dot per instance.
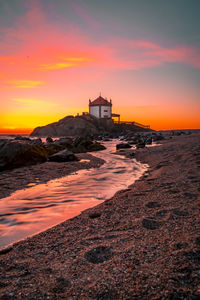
(32, 101)
(24, 84)
(36, 44)
(56, 66)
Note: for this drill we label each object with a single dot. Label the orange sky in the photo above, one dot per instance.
(51, 66)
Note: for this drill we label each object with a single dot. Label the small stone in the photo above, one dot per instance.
(151, 224)
(94, 215)
(99, 254)
(152, 204)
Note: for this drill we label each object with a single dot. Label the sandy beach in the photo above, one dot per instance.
(144, 243)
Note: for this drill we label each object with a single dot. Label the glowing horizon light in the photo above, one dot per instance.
(9, 127)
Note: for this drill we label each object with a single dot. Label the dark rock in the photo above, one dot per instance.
(14, 154)
(123, 146)
(37, 142)
(94, 215)
(148, 141)
(86, 144)
(61, 285)
(52, 148)
(99, 254)
(150, 224)
(159, 137)
(85, 141)
(95, 147)
(140, 145)
(6, 250)
(69, 126)
(152, 204)
(21, 138)
(49, 139)
(65, 142)
(132, 154)
(3, 285)
(63, 156)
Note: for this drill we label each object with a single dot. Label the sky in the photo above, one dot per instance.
(56, 55)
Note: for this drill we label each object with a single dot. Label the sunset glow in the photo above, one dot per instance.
(55, 56)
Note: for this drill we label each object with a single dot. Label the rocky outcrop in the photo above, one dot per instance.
(21, 152)
(86, 125)
(123, 146)
(63, 156)
(18, 153)
(69, 126)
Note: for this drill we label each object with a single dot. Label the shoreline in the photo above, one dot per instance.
(27, 176)
(142, 243)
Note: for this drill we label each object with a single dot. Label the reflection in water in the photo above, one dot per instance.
(36, 208)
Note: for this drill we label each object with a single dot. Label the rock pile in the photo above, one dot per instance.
(24, 151)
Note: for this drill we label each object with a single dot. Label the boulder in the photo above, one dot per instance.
(95, 147)
(49, 139)
(86, 144)
(21, 138)
(123, 146)
(84, 141)
(159, 137)
(18, 153)
(63, 156)
(149, 141)
(65, 142)
(52, 148)
(37, 142)
(140, 145)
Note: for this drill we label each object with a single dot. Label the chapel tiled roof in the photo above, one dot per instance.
(100, 101)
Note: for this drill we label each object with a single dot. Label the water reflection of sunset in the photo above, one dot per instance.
(38, 207)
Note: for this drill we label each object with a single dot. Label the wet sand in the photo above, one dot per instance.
(144, 243)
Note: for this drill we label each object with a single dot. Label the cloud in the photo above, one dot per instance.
(24, 84)
(32, 101)
(37, 44)
(56, 66)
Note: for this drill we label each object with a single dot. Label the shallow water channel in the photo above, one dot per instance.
(34, 209)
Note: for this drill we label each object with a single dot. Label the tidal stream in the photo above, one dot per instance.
(34, 209)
